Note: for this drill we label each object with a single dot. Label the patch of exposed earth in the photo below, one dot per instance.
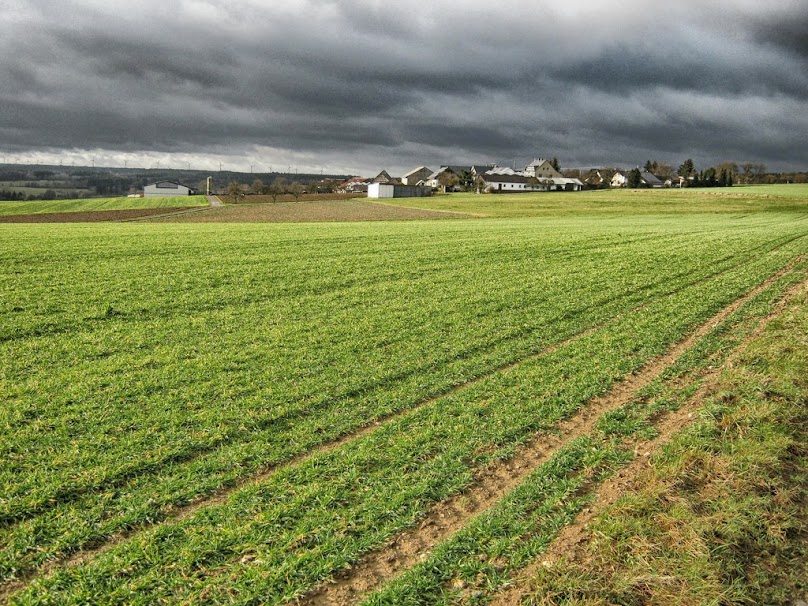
(90, 216)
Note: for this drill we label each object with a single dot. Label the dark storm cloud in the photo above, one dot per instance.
(358, 84)
(623, 69)
(786, 31)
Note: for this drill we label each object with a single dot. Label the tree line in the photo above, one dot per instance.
(280, 187)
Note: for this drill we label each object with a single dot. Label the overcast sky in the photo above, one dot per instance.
(355, 86)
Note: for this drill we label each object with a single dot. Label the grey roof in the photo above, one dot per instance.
(479, 169)
(651, 179)
(458, 170)
(416, 170)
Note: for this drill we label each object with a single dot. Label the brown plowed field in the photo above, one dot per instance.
(89, 216)
(310, 212)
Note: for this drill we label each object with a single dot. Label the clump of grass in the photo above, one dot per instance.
(720, 516)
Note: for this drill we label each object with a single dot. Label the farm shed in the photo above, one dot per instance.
(165, 189)
(383, 190)
(563, 184)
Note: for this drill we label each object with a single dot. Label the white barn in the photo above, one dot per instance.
(166, 188)
(386, 190)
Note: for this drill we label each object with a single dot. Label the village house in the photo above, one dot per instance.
(384, 177)
(620, 179)
(354, 185)
(508, 181)
(541, 169)
(416, 176)
(463, 173)
(649, 180)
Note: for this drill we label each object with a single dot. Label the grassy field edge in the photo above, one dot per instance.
(719, 515)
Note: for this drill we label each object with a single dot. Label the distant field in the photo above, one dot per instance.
(38, 191)
(309, 212)
(97, 204)
(252, 199)
(795, 190)
(619, 201)
(399, 412)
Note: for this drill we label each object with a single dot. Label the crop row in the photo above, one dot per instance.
(97, 204)
(247, 433)
(308, 520)
(485, 555)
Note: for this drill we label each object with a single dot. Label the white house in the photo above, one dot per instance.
(499, 181)
(166, 188)
(505, 183)
(619, 179)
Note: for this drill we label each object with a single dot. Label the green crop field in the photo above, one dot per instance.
(97, 204)
(241, 413)
(760, 198)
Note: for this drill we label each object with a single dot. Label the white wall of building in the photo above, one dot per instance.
(165, 189)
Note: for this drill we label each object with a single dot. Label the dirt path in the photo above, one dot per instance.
(494, 482)
(572, 541)
(214, 201)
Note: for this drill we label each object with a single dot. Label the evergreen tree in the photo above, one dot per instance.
(687, 168)
(634, 178)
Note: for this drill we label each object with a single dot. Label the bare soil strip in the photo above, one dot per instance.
(571, 542)
(445, 518)
(356, 209)
(92, 216)
(497, 480)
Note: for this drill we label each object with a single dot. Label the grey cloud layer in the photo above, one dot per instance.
(405, 85)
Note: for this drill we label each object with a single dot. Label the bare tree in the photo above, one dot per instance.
(278, 187)
(295, 189)
(663, 171)
(754, 171)
(447, 180)
(235, 190)
(731, 168)
(258, 187)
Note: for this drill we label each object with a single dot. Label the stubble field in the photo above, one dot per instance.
(382, 413)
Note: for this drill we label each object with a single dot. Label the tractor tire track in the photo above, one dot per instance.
(71, 493)
(498, 479)
(572, 541)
